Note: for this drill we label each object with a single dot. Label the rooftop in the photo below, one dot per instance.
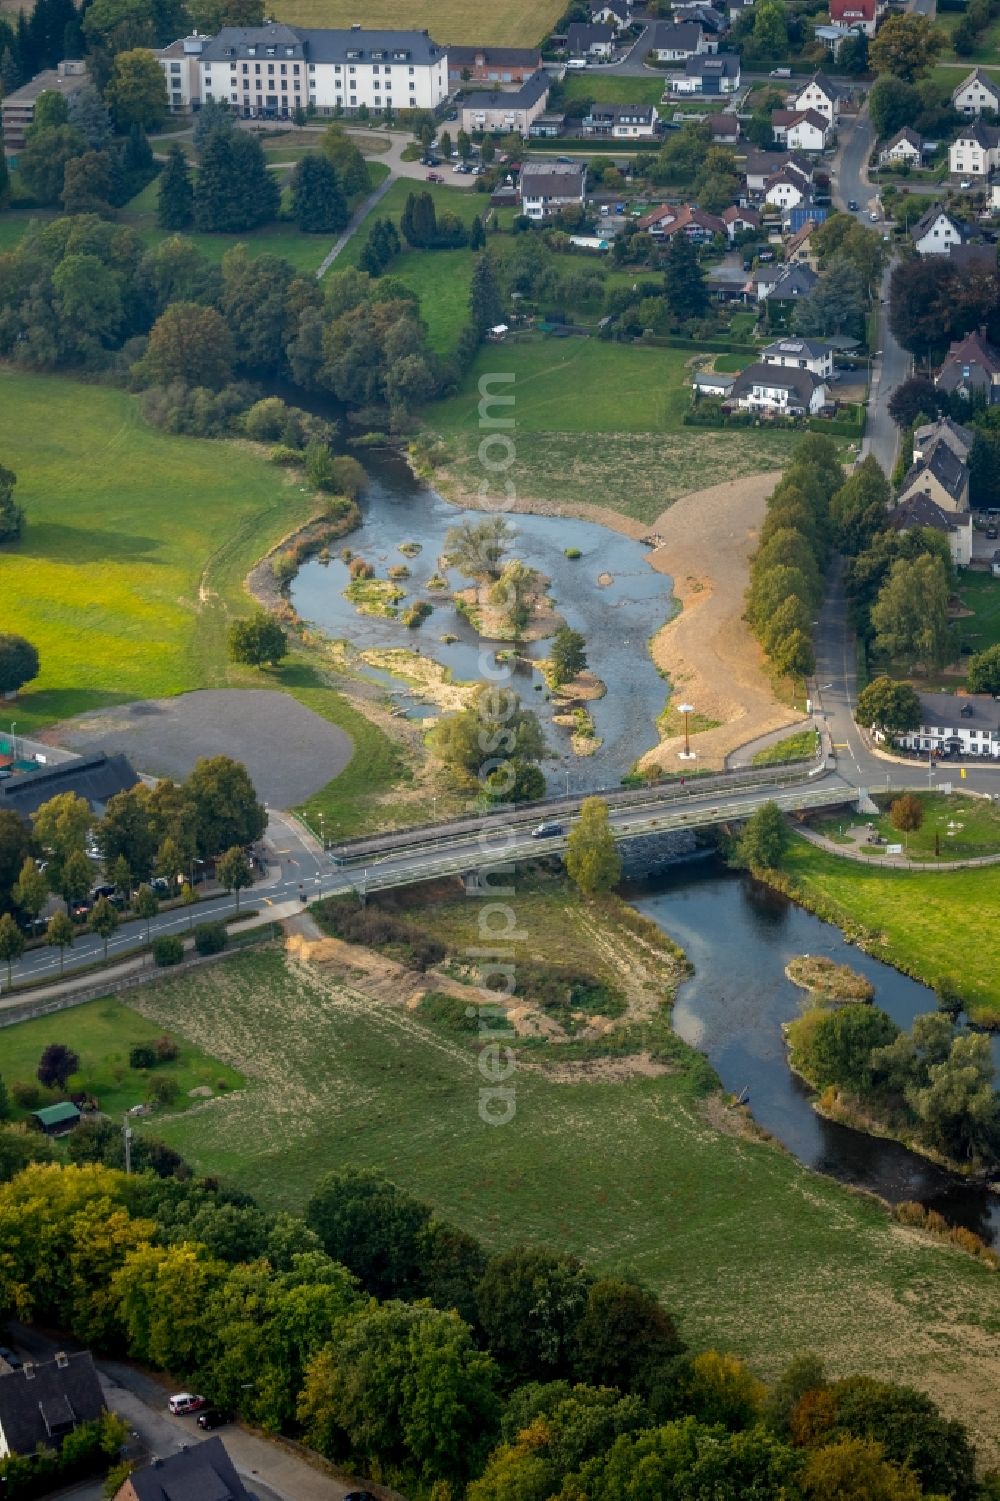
(322, 44)
(532, 89)
(203, 1472)
(966, 710)
(46, 1399)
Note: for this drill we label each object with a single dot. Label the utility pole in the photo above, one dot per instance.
(127, 1136)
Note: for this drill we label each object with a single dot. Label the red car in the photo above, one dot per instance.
(434, 177)
(184, 1402)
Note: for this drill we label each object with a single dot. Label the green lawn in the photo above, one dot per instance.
(754, 1254)
(947, 77)
(609, 88)
(630, 398)
(792, 748)
(931, 924)
(981, 594)
(985, 52)
(965, 827)
(732, 363)
(101, 1033)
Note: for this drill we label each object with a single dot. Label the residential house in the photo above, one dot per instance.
(971, 368)
(814, 355)
(974, 255)
(739, 221)
(275, 69)
(501, 65)
(708, 74)
(778, 390)
(762, 165)
(513, 110)
(858, 15)
(797, 244)
(548, 187)
(975, 151)
(611, 13)
(941, 476)
(45, 1400)
(833, 38)
(801, 130)
(17, 109)
(976, 93)
(785, 189)
(711, 21)
(201, 1472)
(956, 724)
(622, 121)
(958, 438)
(918, 510)
(591, 41)
(782, 283)
(906, 147)
(735, 8)
(936, 231)
(724, 129)
(822, 96)
(675, 42)
(547, 125)
(713, 383)
(671, 219)
(181, 64)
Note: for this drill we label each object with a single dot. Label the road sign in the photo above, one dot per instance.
(945, 787)
(894, 849)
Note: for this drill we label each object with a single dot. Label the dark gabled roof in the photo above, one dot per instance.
(707, 64)
(95, 777)
(610, 114)
(795, 281)
(946, 467)
(972, 351)
(676, 36)
(502, 57)
(960, 710)
(906, 134)
(580, 36)
(980, 134)
(935, 212)
(801, 383)
(919, 510)
(795, 345)
(42, 1402)
(531, 90)
(620, 7)
(541, 179)
(940, 431)
(978, 76)
(202, 1473)
(831, 90)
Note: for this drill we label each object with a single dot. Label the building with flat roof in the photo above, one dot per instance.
(17, 110)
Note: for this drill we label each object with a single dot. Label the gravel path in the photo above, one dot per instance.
(289, 751)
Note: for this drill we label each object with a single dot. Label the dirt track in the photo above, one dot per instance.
(706, 650)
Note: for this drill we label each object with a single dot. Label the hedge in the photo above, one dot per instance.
(696, 346)
(829, 426)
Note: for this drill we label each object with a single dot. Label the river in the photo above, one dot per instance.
(739, 934)
(616, 617)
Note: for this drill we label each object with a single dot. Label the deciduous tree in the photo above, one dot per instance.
(234, 872)
(910, 616)
(686, 294)
(592, 859)
(257, 639)
(906, 46)
(18, 663)
(373, 1228)
(137, 92)
(889, 706)
(12, 942)
(145, 905)
(764, 837)
(56, 1065)
(567, 656)
(31, 890)
(226, 810)
(189, 343)
(103, 921)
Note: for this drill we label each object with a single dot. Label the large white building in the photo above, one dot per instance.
(275, 69)
(954, 724)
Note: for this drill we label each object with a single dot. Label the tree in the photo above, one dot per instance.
(373, 1228)
(959, 1106)
(494, 739)
(855, 1470)
(234, 191)
(103, 921)
(858, 509)
(485, 301)
(916, 397)
(686, 294)
(624, 1338)
(18, 662)
(31, 890)
(318, 202)
(11, 516)
(477, 235)
(592, 859)
(122, 877)
(568, 656)
(477, 548)
(234, 872)
(60, 827)
(531, 1304)
(58, 1062)
(225, 806)
(137, 92)
(910, 615)
(189, 343)
(145, 906)
(835, 1047)
(87, 184)
(763, 839)
(886, 705)
(905, 46)
(906, 813)
(12, 942)
(175, 195)
(71, 877)
(911, 1431)
(487, 150)
(836, 304)
(15, 847)
(892, 104)
(51, 109)
(89, 115)
(256, 640)
(126, 833)
(769, 38)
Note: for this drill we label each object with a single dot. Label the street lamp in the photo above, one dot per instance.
(13, 742)
(687, 754)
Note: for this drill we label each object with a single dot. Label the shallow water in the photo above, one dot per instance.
(739, 935)
(616, 619)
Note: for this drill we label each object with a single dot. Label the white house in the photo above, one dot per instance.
(181, 64)
(936, 232)
(708, 74)
(822, 96)
(677, 41)
(918, 510)
(796, 353)
(785, 189)
(611, 13)
(713, 383)
(622, 121)
(548, 187)
(954, 724)
(801, 130)
(975, 151)
(739, 220)
(760, 166)
(858, 15)
(975, 93)
(906, 147)
(778, 390)
(274, 69)
(596, 42)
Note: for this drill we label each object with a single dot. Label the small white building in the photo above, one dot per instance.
(958, 725)
(905, 149)
(622, 121)
(713, 383)
(611, 13)
(675, 42)
(976, 92)
(548, 187)
(595, 42)
(796, 353)
(809, 131)
(975, 151)
(778, 390)
(785, 189)
(822, 96)
(936, 232)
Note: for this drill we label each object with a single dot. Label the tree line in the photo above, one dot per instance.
(394, 1343)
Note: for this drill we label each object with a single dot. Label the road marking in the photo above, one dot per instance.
(268, 901)
(841, 745)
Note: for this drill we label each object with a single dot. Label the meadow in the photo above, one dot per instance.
(980, 593)
(648, 1175)
(611, 88)
(964, 827)
(508, 23)
(629, 399)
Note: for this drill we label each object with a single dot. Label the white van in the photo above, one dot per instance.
(577, 62)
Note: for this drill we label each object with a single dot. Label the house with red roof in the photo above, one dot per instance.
(859, 15)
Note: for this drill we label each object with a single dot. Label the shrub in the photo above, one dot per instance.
(417, 614)
(284, 567)
(142, 1055)
(166, 1049)
(164, 1090)
(572, 553)
(210, 937)
(167, 950)
(359, 569)
(349, 477)
(25, 1094)
(381, 930)
(282, 454)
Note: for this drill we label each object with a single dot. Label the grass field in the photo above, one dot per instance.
(792, 748)
(611, 88)
(644, 1173)
(985, 52)
(630, 398)
(932, 924)
(14, 223)
(101, 1033)
(981, 594)
(964, 827)
(510, 23)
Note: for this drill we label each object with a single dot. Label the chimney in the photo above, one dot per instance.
(62, 1360)
(29, 1370)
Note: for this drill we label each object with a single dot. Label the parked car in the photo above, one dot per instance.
(991, 533)
(80, 911)
(434, 177)
(185, 1402)
(7, 1354)
(853, 206)
(546, 830)
(105, 889)
(873, 215)
(214, 1417)
(965, 185)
